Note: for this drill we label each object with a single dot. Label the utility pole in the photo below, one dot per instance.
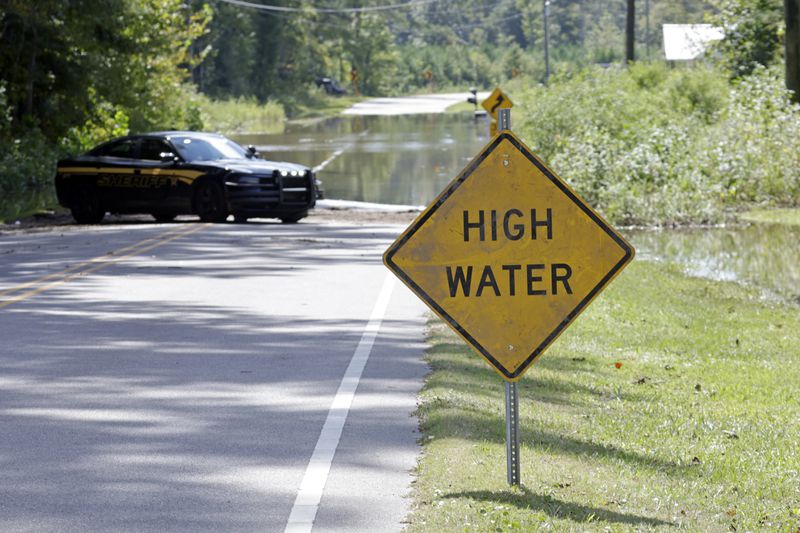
(546, 42)
(630, 32)
(647, 28)
(792, 43)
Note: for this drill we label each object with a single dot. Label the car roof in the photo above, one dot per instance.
(176, 133)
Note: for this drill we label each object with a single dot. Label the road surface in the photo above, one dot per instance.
(195, 377)
(411, 105)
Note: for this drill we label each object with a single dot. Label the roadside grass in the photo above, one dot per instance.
(319, 105)
(697, 429)
(242, 115)
(789, 216)
(462, 107)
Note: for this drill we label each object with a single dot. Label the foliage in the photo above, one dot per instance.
(652, 146)
(65, 62)
(77, 72)
(752, 34)
(27, 160)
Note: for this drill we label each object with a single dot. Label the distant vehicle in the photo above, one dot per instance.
(172, 173)
(331, 86)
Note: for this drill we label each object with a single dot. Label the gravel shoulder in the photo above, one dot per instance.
(350, 214)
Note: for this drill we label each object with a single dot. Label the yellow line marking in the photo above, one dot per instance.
(95, 264)
(99, 258)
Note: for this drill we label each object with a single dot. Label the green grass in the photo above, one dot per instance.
(462, 107)
(697, 430)
(774, 216)
(319, 105)
(242, 116)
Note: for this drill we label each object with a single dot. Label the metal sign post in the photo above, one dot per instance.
(512, 392)
(512, 433)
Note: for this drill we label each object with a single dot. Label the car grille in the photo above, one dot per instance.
(253, 192)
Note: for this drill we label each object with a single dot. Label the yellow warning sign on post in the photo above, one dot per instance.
(508, 255)
(496, 101)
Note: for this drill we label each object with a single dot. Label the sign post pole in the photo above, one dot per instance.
(512, 391)
(512, 433)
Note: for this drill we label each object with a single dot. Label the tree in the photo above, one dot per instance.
(752, 34)
(630, 32)
(70, 64)
(792, 44)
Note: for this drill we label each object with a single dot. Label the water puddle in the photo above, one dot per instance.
(762, 255)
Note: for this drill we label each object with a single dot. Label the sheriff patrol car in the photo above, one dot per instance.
(171, 173)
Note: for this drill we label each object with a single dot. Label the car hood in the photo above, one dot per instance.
(249, 166)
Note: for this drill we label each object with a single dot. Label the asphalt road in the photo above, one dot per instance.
(178, 377)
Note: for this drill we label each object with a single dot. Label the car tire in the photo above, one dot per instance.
(163, 216)
(209, 202)
(294, 218)
(86, 208)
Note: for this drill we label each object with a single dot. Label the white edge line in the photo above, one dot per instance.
(306, 504)
(336, 154)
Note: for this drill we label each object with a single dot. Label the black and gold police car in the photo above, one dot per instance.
(172, 173)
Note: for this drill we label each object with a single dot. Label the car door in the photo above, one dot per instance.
(157, 175)
(117, 163)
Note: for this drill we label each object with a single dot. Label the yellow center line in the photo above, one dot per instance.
(97, 259)
(95, 264)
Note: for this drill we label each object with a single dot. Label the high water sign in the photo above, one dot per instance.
(508, 255)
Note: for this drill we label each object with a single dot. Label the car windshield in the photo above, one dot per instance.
(208, 148)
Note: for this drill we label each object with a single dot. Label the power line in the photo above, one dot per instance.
(285, 9)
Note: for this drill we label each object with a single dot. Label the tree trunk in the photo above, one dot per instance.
(31, 75)
(792, 43)
(630, 32)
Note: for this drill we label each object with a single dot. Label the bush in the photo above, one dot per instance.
(28, 160)
(653, 146)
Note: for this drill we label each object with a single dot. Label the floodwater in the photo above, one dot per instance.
(409, 159)
(405, 159)
(766, 256)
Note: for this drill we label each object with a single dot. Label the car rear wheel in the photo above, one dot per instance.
(163, 216)
(86, 208)
(209, 202)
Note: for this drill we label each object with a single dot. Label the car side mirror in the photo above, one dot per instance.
(168, 157)
(251, 151)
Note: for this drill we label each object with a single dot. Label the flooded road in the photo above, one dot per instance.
(384, 159)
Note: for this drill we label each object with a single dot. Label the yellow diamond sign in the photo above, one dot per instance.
(508, 255)
(496, 101)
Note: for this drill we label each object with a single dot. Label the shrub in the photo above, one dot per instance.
(652, 146)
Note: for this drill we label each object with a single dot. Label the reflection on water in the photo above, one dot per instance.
(763, 255)
(395, 160)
